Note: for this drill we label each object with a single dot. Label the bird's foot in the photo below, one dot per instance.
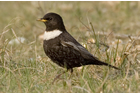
(58, 77)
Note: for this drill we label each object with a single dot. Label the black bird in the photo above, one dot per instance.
(62, 48)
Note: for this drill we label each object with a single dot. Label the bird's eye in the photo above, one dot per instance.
(49, 18)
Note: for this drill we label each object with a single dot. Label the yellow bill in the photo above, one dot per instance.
(42, 20)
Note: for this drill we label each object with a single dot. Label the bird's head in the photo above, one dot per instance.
(53, 21)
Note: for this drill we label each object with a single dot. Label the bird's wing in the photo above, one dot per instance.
(79, 48)
(72, 43)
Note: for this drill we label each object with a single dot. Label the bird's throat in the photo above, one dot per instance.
(51, 34)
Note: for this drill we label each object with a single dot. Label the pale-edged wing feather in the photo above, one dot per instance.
(69, 41)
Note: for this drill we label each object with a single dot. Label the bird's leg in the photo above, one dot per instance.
(71, 71)
(58, 76)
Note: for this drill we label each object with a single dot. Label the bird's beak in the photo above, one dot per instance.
(42, 20)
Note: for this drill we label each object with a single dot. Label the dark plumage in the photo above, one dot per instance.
(62, 48)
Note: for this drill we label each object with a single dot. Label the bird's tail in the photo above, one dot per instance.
(97, 62)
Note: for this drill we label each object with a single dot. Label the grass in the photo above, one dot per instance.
(24, 67)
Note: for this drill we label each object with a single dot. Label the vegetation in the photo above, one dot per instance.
(24, 67)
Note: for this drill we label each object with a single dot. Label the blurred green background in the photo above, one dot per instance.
(119, 17)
